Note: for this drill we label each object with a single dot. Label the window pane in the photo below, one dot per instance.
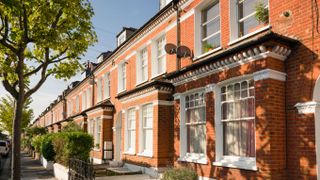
(196, 141)
(148, 140)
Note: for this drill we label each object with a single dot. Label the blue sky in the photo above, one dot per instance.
(110, 17)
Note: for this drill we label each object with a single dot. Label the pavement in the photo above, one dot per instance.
(125, 177)
(33, 170)
(5, 167)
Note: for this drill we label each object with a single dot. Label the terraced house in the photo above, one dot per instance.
(229, 88)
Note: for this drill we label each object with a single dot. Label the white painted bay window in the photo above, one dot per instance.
(159, 57)
(122, 77)
(235, 125)
(106, 92)
(146, 137)
(142, 66)
(131, 131)
(98, 128)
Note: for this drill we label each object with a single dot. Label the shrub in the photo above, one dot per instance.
(47, 148)
(36, 143)
(72, 145)
(72, 127)
(180, 173)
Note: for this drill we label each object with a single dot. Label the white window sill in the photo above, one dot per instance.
(249, 35)
(129, 153)
(157, 75)
(121, 91)
(243, 163)
(194, 158)
(145, 154)
(139, 83)
(96, 149)
(209, 52)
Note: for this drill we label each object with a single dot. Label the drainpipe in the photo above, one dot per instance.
(177, 9)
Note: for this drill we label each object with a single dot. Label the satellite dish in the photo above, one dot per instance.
(170, 48)
(183, 51)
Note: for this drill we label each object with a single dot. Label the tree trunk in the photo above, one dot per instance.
(16, 145)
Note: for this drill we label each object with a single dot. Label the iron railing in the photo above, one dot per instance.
(80, 170)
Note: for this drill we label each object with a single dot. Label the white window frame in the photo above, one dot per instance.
(128, 130)
(99, 89)
(184, 156)
(155, 57)
(248, 163)
(141, 77)
(122, 74)
(97, 132)
(121, 38)
(106, 91)
(198, 28)
(77, 104)
(234, 23)
(84, 100)
(142, 150)
(89, 97)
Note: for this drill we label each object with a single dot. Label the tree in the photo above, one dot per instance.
(38, 39)
(7, 113)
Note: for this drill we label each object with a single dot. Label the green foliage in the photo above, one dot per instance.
(47, 147)
(72, 145)
(36, 143)
(262, 13)
(7, 113)
(72, 127)
(30, 134)
(180, 173)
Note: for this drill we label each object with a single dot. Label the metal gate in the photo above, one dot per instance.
(80, 170)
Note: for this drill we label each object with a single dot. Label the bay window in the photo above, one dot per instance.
(146, 147)
(131, 131)
(89, 97)
(193, 127)
(235, 125)
(98, 128)
(99, 90)
(84, 101)
(77, 104)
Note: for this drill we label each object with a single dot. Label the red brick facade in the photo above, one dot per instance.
(281, 57)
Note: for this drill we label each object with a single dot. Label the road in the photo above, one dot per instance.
(5, 168)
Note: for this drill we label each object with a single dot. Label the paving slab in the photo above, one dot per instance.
(126, 177)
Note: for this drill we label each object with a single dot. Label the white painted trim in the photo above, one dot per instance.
(194, 158)
(249, 35)
(307, 107)
(209, 88)
(143, 154)
(246, 163)
(154, 172)
(177, 96)
(97, 161)
(140, 96)
(204, 178)
(106, 117)
(316, 98)
(162, 103)
(269, 74)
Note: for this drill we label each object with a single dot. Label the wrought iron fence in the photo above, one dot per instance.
(80, 170)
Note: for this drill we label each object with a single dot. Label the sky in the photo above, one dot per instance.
(110, 17)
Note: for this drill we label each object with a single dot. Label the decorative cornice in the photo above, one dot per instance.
(209, 88)
(256, 53)
(307, 107)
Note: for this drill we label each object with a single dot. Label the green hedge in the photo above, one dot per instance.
(180, 173)
(36, 143)
(72, 145)
(47, 149)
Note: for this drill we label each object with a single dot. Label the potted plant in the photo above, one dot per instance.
(207, 47)
(262, 16)
(97, 146)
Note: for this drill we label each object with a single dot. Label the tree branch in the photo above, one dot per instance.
(8, 86)
(25, 25)
(55, 22)
(4, 39)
